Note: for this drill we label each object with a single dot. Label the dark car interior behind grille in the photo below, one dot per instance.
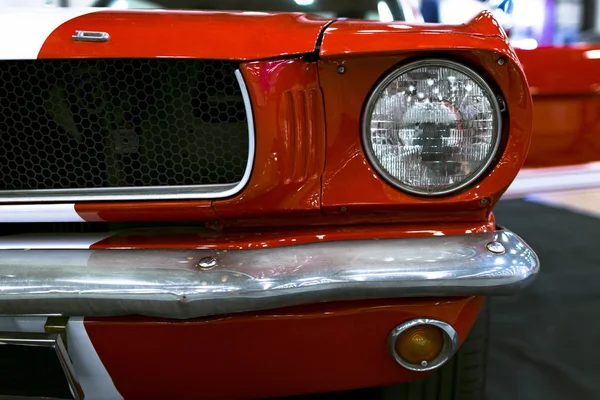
(93, 123)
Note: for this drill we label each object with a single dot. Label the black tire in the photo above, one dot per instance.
(461, 378)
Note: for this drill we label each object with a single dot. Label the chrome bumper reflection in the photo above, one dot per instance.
(195, 283)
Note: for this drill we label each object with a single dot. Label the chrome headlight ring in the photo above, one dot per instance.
(450, 100)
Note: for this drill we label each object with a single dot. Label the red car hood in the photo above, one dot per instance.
(48, 33)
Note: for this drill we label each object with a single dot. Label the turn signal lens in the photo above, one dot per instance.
(420, 344)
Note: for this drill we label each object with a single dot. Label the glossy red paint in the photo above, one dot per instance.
(361, 38)
(290, 185)
(193, 34)
(346, 94)
(309, 349)
(205, 238)
(553, 71)
(140, 211)
(290, 141)
(565, 85)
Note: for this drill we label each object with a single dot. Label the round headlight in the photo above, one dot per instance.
(432, 127)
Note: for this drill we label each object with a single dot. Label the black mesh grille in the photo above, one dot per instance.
(92, 123)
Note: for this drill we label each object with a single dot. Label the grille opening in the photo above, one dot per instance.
(110, 123)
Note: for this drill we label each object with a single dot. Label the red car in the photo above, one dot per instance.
(565, 146)
(253, 204)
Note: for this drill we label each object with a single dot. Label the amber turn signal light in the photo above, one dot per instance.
(420, 343)
(423, 344)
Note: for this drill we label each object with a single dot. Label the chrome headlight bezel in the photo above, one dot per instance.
(381, 87)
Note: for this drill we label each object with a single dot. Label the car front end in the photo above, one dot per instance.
(248, 205)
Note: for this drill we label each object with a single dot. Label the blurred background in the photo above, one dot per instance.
(531, 23)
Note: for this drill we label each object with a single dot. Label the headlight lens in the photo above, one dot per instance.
(432, 127)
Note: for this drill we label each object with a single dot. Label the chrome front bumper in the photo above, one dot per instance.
(196, 283)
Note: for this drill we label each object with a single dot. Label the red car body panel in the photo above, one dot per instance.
(290, 149)
(215, 35)
(138, 211)
(290, 184)
(346, 161)
(357, 37)
(240, 239)
(310, 349)
(565, 85)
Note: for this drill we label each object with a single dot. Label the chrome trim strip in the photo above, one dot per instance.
(147, 192)
(449, 348)
(90, 36)
(52, 340)
(174, 284)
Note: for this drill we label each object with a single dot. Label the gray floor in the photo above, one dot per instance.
(545, 342)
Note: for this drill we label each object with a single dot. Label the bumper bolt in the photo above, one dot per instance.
(495, 247)
(341, 69)
(207, 263)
